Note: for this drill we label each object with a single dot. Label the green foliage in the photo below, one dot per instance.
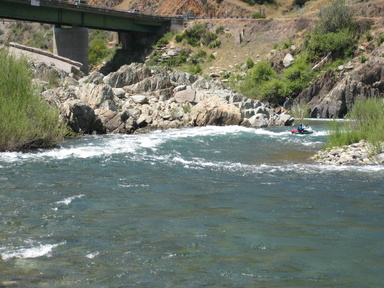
(220, 30)
(335, 17)
(98, 47)
(198, 34)
(368, 36)
(179, 38)
(287, 44)
(30, 34)
(162, 41)
(380, 39)
(296, 77)
(300, 111)
(272, 91)
(250, 63)
(366, 122)
(340, 44)
(363, 59)
(258, 15)
(264, 83)
(26, 120)
(336, 32)
(97, 52)
(195, 69)
(165, 39)
(261, 72)
(215, 44)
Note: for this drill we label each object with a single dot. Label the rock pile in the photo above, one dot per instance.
(136, 97)
(354, 154)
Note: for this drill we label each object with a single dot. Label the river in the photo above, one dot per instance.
(195, 207)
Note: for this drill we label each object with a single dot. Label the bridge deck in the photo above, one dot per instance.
(64, 13)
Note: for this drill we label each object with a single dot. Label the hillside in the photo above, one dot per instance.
(253, 38)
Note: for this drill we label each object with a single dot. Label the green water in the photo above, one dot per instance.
(201, 207)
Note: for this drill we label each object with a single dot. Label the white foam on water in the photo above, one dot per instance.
(35, 251)
(200, 163)
(92, 255)
(67, 201)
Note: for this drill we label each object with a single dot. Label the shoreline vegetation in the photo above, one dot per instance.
(359, 140)
(28, 122)
(26, 119)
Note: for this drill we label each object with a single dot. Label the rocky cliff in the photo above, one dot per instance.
(334, 93)
(136, 97)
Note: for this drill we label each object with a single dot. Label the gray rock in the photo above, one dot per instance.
(139, 99)
(185, 96)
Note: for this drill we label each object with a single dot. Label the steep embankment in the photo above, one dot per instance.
(210, 8)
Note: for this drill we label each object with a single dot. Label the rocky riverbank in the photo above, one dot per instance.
(354, 154)
(138, 97)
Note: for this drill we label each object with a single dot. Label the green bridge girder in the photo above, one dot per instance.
(64, 13)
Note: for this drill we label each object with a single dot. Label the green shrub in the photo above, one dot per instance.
(272, 91)
(368, 36)
(162, 41)
(216, 44)
(300, 111)
(197, 34)
(287, 44)
(258, 15)
(363, 59)
(98, 50)
(220, 30)
(366, 121)
(296, 78)
(260, 73)
(195, 69)
(26, 120)
(380, 39)
(335, 17)
(250, 63)
(179, 38)
(340, 44)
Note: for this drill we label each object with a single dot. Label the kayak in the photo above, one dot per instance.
(295, 131)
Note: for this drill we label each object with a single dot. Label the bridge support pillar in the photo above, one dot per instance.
(72, 43)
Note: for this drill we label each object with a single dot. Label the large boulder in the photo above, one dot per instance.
(185, 96)
(215, 111)
(97, 96)
(81, 118)
(127, 75)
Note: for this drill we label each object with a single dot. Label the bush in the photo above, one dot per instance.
(199, 34)
(380, 39)
(258, 15)
(260, 73)
(220, 30)
(296, 78)
(366, 122)
(217, 43)
(26, 120)
(97, 52)
(250, 63)
(272, 91)
(195, 69)
(334, 18)
(340, 44)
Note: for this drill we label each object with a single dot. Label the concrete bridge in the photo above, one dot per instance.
(71, 23)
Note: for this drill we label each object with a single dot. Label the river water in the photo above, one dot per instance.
(197, 207)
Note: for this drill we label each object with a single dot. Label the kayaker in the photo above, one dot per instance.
(300, 129)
